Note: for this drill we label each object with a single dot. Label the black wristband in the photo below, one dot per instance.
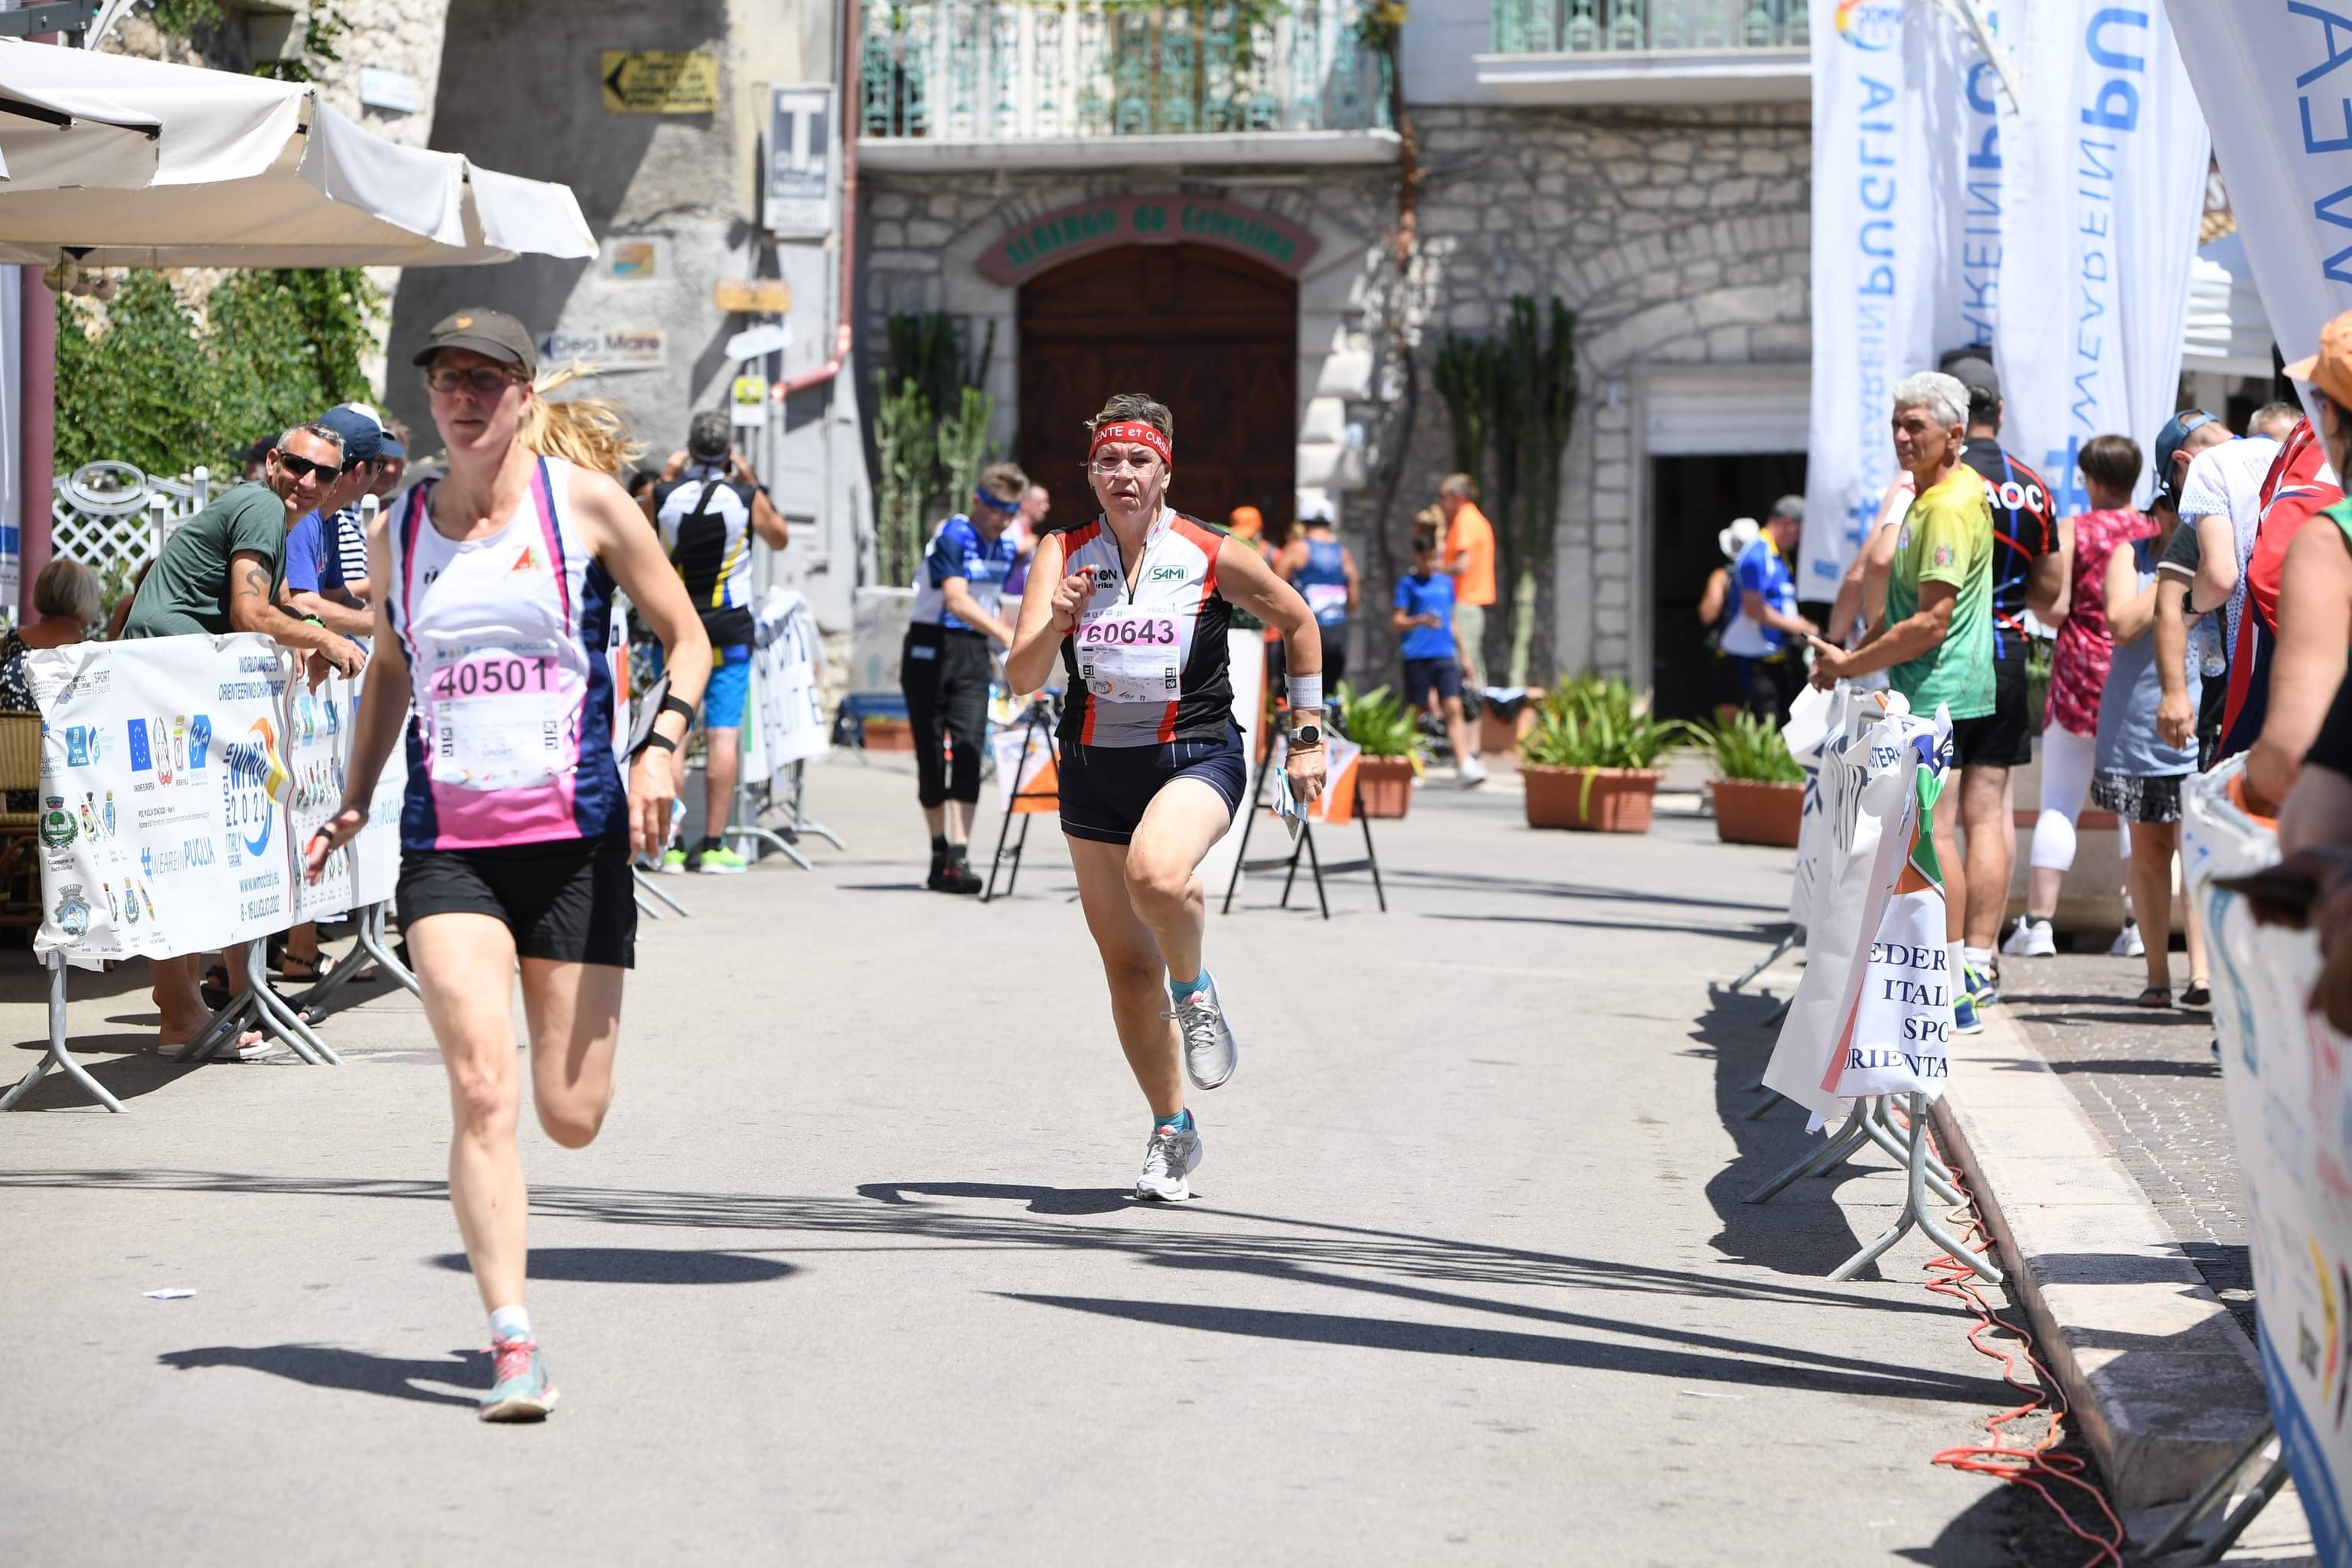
(679, 706)
(656, 738)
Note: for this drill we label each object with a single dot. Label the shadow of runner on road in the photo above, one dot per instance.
(639, 1265)
(330, 1366)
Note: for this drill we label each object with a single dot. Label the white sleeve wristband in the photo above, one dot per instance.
(1306, 691)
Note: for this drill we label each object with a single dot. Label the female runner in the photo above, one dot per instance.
(1152, 767)
(516, 833)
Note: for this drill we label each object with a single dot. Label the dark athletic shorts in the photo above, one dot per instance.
(2002, 738)
(571, 900)
(1107, 789)
(1424, 675)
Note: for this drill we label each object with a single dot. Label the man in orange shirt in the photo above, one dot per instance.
(1470, 560)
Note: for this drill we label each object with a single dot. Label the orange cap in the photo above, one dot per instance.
(1246, 521)
(2330, 369)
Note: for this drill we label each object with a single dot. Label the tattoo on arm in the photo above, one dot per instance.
(256, 582)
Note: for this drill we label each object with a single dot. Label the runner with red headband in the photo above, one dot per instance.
(1137, 601)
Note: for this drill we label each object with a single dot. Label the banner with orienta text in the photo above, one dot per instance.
(2105, 186)
(178, 777)
(2290, 1104)
(786, 722)
(2274, 78)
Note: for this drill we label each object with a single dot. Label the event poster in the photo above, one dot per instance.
(1898, 1039)
(318, 724)
(163, 796)
(787, 713)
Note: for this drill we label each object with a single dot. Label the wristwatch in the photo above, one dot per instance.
(1306, 735)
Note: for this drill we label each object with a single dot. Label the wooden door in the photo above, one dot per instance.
(1211, 335)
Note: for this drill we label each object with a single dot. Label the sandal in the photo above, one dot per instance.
(312, 970)
(2155, 997)
(216, 988)
(2199, 994)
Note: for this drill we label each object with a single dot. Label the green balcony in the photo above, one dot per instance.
(1648, 51)
(1084, 83)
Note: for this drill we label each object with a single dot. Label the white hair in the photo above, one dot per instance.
(1941, 394)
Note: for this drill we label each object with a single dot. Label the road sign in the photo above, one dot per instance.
(660, 82)
(803, 182)
(751, 399)
(754, 296)
(754, 342)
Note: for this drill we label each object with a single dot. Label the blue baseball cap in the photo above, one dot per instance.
(2176, 429)
(362, 437)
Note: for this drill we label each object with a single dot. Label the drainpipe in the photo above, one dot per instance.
(850, 84)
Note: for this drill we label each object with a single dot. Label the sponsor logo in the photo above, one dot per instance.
(526, 561)
(77, 745)
(1872, 25)
(200, 742)
(142, 760)
(1104, 576)
(250, 776)
(58, 829)
(1167, 574)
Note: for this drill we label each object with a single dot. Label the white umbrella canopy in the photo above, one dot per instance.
(243, 172)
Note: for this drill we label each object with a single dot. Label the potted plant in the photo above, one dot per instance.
(1589, 761)
(1385, 728)
(1759, 795)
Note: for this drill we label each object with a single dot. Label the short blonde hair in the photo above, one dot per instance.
(70, 589)
(1006, 481)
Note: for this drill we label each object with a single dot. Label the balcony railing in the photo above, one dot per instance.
(1648, 26)
(977, 70)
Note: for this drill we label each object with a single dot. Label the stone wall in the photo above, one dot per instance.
(1679, 237)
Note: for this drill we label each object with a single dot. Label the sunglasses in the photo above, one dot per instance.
(487, 380)
(303, 467)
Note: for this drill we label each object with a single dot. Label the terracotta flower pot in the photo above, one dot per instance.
(1619, 800)
(1499, 736)
(890, 735)
(1750, 811)
(1383, 785)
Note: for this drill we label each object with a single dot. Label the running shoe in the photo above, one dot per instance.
(520, 1389)
(1471, 773)
(2032, 938)
(721, 861)
(1172, 1154)
(1964, 1016)
(1983, 990)
(1210, 1052)
(2127, 943)
(673, 863)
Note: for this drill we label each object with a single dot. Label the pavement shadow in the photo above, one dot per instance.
(1039, 1200)
(1801, 1230)
(132, 1072)
(330, 1366)
(640, 1266)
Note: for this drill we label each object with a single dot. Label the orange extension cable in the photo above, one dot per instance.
(2032, 1465)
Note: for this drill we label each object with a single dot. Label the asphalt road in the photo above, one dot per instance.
(851, 1274)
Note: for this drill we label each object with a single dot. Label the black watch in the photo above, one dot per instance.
(1306, 735)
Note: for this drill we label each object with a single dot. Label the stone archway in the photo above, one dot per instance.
(1207, 332)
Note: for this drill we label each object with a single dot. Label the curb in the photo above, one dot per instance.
(2162, 1382)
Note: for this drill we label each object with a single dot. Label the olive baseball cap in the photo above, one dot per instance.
(493, 334)
(2330, 369)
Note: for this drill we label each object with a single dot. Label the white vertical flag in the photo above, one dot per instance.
(2275, 78)
(2105, 186)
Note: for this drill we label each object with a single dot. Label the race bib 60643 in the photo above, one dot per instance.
(1127, 655)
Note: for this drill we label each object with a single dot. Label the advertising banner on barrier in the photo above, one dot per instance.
(163, 784)
(375, 852)
(2291, 1115)
(1813, 718)
(317, 731)
(2273, 76)
(787, 718)
(2104, 179)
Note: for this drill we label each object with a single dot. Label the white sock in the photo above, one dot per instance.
(510, 1323)
(1959, 974)
(1979, 959)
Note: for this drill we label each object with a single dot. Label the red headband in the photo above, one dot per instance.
(1133, 430)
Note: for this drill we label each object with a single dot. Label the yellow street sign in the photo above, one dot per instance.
(754, 296)
(660, 82)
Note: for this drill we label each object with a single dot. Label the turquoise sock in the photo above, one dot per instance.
(1181, 1121)
(1183, 989)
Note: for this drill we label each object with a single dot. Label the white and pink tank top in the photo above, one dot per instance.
(511, 723)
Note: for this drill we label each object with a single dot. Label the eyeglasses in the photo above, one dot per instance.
(303, 467)
(487, 380)
(1111, 463)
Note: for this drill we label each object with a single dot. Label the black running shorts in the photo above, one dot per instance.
(570, 900)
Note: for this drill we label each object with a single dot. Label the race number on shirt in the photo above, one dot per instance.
(497, 719)
(1127, 655)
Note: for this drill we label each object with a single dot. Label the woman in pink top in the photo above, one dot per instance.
(2078, 673)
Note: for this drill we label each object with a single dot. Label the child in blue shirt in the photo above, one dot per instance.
(1432, 663)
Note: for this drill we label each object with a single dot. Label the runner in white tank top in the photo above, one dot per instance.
(1135, 604)
(491, 657)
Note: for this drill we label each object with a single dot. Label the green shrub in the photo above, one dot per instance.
(1744, 746)
(1379, 722)
(1590, 722)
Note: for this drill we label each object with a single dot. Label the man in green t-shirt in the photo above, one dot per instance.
(1935, 639)
(223, 571)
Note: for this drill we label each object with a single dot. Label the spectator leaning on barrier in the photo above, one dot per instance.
(2110, 467)
(223, 572)
(1935, 637)
(1766, 639)
(313, 563)
(70, 601)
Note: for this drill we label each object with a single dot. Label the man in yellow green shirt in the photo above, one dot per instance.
(1935, 640)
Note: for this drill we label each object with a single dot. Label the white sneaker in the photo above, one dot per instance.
(1168, 1159)
(2032, 938)
(1210, 1052)
(2127, 943)
(1471, 774)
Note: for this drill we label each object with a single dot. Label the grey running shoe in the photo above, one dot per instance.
(1170, 1156)
(1210, 1053)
